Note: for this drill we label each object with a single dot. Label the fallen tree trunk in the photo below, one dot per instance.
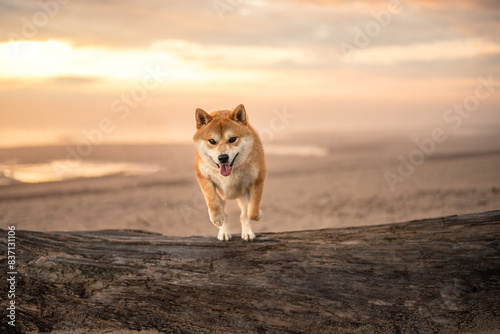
(426, 276)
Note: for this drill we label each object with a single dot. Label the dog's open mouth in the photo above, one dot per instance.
(226, 169)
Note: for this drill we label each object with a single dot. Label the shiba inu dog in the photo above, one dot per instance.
(229, 164)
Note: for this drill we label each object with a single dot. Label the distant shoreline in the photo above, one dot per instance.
(343, 186)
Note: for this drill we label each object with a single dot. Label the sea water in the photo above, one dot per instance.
(56, 170)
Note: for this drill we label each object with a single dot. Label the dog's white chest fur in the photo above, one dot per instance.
(234, 185)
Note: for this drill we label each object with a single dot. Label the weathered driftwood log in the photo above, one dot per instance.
(433, 275)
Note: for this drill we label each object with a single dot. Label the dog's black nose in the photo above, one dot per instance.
(223, 158)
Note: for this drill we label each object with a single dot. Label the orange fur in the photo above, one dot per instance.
(246, 165)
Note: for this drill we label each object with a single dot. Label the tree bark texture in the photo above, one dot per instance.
(427, 276)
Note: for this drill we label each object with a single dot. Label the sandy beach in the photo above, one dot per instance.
(313, 182)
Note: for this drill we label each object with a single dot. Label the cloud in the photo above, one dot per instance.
(110, 23)
(311, 23)
(234, 56)
(69, 80)
(186, 61)
(35, 59)
(427, 52)
(122, 36)
(423, 3)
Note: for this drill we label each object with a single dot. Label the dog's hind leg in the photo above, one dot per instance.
(246, 230)
(254, 212)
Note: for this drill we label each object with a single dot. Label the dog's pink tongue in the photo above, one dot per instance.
(225, 169)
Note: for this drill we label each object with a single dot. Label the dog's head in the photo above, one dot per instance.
(223, 138)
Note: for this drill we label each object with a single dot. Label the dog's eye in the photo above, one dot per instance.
(232, 139)
(213, 142)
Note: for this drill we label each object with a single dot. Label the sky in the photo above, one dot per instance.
(135, 71)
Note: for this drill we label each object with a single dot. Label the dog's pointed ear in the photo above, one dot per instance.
(239, 115)
(202, 118)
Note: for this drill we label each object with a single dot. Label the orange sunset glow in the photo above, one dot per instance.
(336, 65)
(250, 166)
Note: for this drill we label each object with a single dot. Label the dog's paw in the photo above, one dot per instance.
(224, 234)
(246, 232)
(218, 219)
(256, 217)
(247, 236)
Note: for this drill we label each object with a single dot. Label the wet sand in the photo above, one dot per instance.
(345, 184)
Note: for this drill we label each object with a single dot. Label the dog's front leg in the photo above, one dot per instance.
(216, 207)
